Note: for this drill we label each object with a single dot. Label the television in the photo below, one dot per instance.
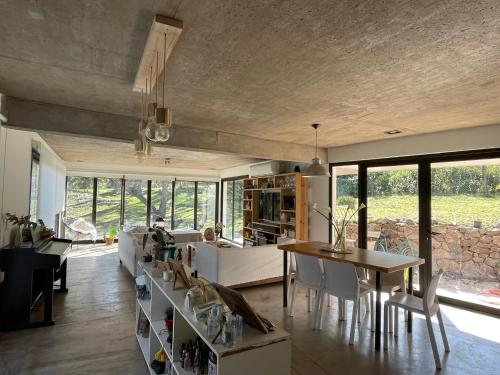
(269, 206)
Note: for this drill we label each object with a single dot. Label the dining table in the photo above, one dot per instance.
(378, 261)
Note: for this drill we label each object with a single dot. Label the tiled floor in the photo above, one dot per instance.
(94, 333)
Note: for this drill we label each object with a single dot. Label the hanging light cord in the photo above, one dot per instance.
(164, 63)
(156, 74)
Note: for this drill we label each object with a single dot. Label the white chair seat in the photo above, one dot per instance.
(407, 301)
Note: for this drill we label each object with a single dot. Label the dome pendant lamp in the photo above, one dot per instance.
(316, 169)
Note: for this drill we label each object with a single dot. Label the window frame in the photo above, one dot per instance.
(226, 180)
(424, 162)
(35, 157)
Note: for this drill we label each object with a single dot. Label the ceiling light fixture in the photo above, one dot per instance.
(392, 132)
(316, 169)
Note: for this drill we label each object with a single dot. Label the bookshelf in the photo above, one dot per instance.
(293, 214)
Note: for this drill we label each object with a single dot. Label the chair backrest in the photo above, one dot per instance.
(430, 294)
(341, 279)
(308, 270)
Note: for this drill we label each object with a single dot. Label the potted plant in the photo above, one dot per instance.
(110, 236)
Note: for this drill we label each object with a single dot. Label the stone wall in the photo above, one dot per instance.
(464, 252)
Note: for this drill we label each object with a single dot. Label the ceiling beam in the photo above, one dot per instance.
(56, 119)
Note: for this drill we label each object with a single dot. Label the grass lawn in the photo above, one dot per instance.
(462, 209)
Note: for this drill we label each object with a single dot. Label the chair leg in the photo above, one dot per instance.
(443, 332)
(386, 308)
(359, 311)
(290, 278)
(390, 319)
(396, 321)
(292, 303)
(309, 300)
(367, 303)
(319, 309)
(355, 309)
(341, 313)
(433, 341)
(372, 314)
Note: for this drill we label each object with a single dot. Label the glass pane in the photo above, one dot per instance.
(136, 195)
(238, 211)
(227, 215)
(108, 205)
(161, 202)
(393, 211)
(345, 193)
(466, 238)
(184, 205)
(35, 173)
(79, 196)
(206, 205)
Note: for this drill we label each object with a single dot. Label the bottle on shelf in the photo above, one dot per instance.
(212, 363)
(238, 337)
(213, 323)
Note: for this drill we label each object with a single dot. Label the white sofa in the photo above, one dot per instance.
(130, 244)
(236, 266)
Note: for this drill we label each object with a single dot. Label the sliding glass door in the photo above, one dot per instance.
(345, 193)
(184, 205)
(136, 192)
(393, 210)
(465, 230)
(232, 208)
(108, 205)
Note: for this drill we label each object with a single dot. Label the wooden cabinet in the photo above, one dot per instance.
(287, 194)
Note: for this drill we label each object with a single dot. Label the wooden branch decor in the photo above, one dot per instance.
(161, 25)
(179, 271)
(160, 267)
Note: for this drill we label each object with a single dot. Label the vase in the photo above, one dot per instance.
(15, 236)
(340, 240)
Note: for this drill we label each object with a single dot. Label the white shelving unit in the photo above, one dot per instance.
(257, 354)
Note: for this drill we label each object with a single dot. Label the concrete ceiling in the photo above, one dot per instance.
(268, 68)
(89, 150)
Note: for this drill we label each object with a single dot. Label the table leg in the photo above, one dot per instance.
(285, 278)
(378, 311)
(410, 291)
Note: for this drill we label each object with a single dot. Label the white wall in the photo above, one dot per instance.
(482, 137)
(318, 193)
(15, 175)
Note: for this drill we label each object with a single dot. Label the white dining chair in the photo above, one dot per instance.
(390, 283)
(427, 306)
(341, 280)
(308, 273)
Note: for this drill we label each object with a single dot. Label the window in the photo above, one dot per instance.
(136, 198)
(34, 185)
(106, 202)
(79, 199)
(345, 193)
(184, 205)
(108, 205)
(444, 208)
(465, 242)
(232, 209)
(161, 201)
(206, 204)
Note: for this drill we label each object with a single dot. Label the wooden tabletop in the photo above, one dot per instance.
(373, 260)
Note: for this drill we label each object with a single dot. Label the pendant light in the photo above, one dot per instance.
(139, 144)
(163, 114)
(316, 169)
(150, 131)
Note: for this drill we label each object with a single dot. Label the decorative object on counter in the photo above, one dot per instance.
(159, 362)
(141, 287)
(209, 234)
(229, 330)
(19, 223)
(194, 297)
(339, 223)
(161, 269)
(237, 303)
(164, 243)
(109, 237)
(238, 334)
(148, 258)
(179, 272)
(213, 322)
(218, 230)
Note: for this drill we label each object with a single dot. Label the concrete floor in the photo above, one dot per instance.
(94, 333)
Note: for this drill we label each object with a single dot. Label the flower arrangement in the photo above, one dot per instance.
(339, 222)
(218, 229)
